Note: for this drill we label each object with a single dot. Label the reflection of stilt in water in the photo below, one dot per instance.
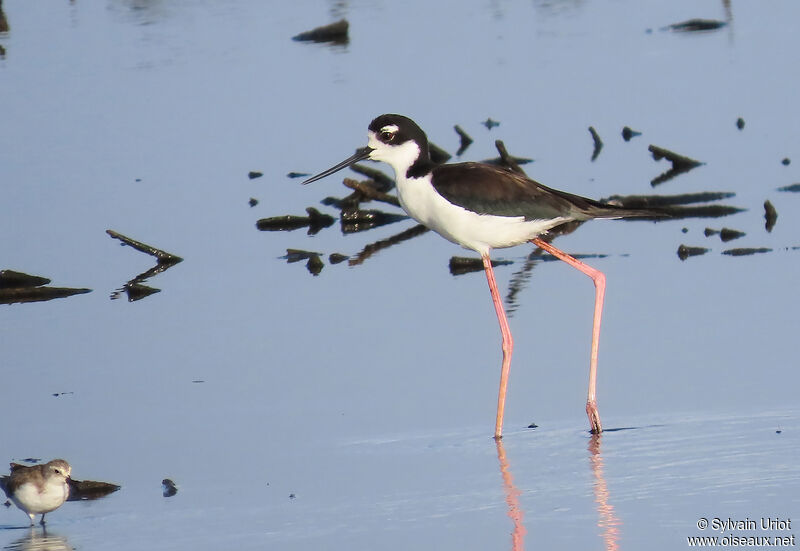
(607, 521)
(512, 499)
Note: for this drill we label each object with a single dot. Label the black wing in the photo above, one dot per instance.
(488, 189)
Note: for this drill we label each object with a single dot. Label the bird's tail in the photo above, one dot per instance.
(608, 210)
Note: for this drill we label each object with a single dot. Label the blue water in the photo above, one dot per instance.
(369, 392)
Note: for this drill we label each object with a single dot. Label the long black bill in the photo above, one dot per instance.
(359, 155)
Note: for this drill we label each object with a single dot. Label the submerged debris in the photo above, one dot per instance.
(770, 216)
(357, 220)
(695, 25)
(794, 188)
(648, 201)
(746, 251)
(489, 123)
(507, 160)
(314, 264)
(336, 33)
(628, 133)
(10, 279)
(135, 288)
(134, 291)
(85, 490)
(19, 287)
(466, 140)
(685, 252)
(740, 123)
(598, 143)
(670, 206)
(437, 154)
(725, 234)
(254, 174)
(786, 161)
(298, 174)
(168, 488)
(368, 192)
(163, 257)
(680, 163)
(702, 211)
(460, 265)
(336, 258)
(383, 182)
(252, 202)
(315, 221)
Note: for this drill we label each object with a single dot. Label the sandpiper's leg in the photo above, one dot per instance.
(599, 292)
(42, 521)
(508, 344)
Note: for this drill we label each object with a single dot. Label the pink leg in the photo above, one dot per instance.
(600, 289)
(508, 345)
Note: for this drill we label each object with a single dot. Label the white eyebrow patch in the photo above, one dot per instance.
(390, 128)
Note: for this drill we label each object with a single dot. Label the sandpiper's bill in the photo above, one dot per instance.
(39, 489)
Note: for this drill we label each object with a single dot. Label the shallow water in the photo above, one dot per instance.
(368, 392)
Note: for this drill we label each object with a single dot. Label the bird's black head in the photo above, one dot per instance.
(393, 139)
(394, 129)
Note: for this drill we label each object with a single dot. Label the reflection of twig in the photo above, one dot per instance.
(37, 294)
(680, 163)
(650, 201)
(512, 499)
(134, 288)
(22, 287)
(372, 248)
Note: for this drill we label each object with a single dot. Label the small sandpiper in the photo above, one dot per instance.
(39, 489)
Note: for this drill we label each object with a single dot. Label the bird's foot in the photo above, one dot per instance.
(594, 417)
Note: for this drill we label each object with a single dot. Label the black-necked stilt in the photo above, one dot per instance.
(484, 207)
(39, 489)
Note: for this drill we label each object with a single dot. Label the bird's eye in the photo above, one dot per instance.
(386, 136)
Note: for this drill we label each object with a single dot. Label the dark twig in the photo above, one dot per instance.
(163, 257)
(507, 159)
(598, 143)
(371, 192)
(466, 140)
